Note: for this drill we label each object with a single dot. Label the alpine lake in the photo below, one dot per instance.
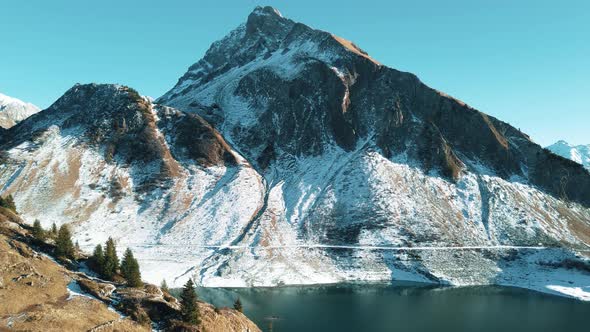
(403, 307)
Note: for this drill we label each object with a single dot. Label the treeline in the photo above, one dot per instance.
(104, 263)
(64, 247)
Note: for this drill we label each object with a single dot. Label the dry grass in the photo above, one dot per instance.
(577, 224)
(353, 48)
(499, 137)
(225, 320)
(34, 295)
(66, 181)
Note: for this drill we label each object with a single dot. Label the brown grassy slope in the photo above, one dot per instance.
(34, 295)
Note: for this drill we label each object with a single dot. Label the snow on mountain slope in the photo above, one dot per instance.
(325, 166)
(358, 154)
(13, 110)
(579, 154)
(86, 161)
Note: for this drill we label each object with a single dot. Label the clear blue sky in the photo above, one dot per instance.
(526, 62)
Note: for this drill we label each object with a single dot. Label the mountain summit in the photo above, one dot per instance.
(579, 154)
(273, 84)
(287, 155)
(13, 110)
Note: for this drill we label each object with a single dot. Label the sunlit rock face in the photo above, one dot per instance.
(13, 111)
(580, 153)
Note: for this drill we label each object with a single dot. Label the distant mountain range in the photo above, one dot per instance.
(288, 155)
(579, 153)
(13, 110)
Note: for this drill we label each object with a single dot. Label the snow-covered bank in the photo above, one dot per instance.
(532, 272)
(522, 267)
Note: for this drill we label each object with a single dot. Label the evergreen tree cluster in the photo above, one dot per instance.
(8, 203)
(106, 264)
(64, 247)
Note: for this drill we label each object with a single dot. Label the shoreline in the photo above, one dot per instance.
(403, 284)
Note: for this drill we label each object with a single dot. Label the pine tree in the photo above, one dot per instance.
(126, 263)
(164, 286)
(98, 260)
(188, 304)
(238, 305)
(111, 261)
(130, 269)
(53, 232)
(8, 203)
(63, 244)
(38, 231)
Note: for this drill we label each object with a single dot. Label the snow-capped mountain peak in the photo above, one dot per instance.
(266, 11)
(577, 153)
(13, 110)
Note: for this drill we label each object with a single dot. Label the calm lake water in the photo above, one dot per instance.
(404, 307)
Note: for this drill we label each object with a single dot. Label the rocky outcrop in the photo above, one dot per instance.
(122, 125)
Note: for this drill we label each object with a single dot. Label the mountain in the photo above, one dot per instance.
(13, 110)
(288, 155)
(112, 163)
(579, 154)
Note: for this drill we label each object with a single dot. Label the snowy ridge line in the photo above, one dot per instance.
(327, 246)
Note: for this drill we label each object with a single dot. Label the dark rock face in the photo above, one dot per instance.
(338, 95)
(297, 119)
(193, 138)
(562, 177)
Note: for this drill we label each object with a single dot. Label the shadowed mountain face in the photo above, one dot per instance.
(315, 143)
(300, 91)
